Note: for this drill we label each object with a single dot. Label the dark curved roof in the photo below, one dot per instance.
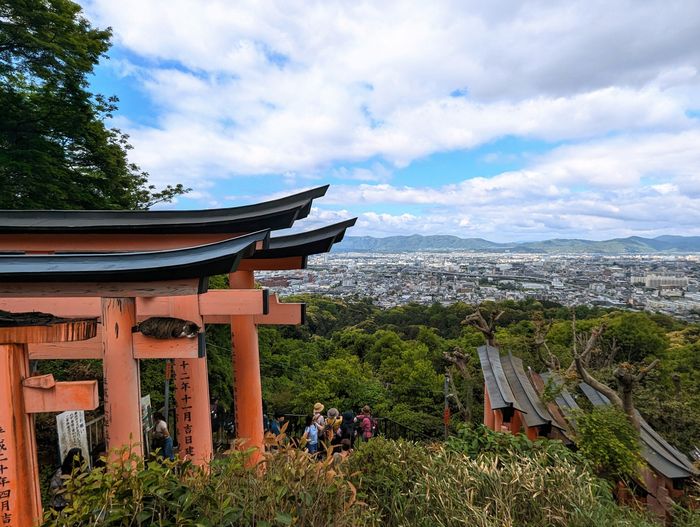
(306, 243)
(534, 412)
(497, 386)
(192, 262)
(276, 214)
(661, 455)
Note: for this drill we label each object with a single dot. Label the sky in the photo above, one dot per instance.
(505, 120)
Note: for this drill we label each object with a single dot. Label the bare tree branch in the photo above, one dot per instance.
(487, 327)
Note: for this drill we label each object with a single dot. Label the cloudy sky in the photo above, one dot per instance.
(507, 120)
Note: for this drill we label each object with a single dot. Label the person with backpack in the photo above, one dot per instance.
(367, 425)
(333, 422)
(347, 428)
(318, 420)
(310, 437)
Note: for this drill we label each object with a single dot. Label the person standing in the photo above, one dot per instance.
(333, 422)
(318, 419)
(73, 461)
(310, 435)
(347, 428)
(366, 423)
(161, 436)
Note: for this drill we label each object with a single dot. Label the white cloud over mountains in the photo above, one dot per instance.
(309, 88)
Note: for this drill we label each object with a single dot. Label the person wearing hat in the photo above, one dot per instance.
(318, 421)
(333, 422)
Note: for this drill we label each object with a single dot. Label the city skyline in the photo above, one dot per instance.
(511, 122)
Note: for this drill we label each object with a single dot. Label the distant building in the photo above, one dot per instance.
(660, 281)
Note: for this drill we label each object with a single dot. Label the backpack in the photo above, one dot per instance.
(372, 426)
(333, 425)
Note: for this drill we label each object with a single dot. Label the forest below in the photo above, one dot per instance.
(351, 353)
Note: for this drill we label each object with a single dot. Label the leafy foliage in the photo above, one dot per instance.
(391, 483)
(432, 485)
(55, 150)
(295, 490)
(607, 439)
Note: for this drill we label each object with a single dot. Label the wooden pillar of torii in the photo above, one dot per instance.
(21, 396)
(253, 306)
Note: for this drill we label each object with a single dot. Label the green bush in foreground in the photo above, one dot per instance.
(295, 490)
(439, 485)
(388, 483)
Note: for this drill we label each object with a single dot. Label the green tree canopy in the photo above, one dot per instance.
(55, 150)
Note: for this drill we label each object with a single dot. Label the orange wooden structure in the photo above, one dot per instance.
(21, 396)
(243, 307)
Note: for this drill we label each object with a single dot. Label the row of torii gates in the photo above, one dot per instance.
(98, 273)
(513, 402)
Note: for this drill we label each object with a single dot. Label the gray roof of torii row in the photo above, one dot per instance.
(276, 214)
(661, 456)
(173, 264)
(535, 413)
(500, 393)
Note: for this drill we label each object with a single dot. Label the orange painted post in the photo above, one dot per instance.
(531, 433)
(488, 411)
(193, 415)
(20, 498)
(122, 385)
(516, 423)
(497, 420)
(246, 372)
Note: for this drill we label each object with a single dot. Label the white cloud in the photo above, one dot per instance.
(270, 86)
(311, 90)
(597, 189)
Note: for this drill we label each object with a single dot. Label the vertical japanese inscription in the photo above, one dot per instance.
(5, 480)
(183, 377)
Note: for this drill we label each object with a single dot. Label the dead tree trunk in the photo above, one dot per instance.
(487, 327)
(626, 375)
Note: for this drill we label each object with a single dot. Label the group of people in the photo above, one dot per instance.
(337, 431)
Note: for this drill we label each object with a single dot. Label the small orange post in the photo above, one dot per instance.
(516, 422)
(246, 372)
(20, 498)
(488, 411)
(531, 433)
(122, 385)
(497, 420)
(192, 410)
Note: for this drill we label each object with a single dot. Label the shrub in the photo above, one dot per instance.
(481, 441)
(295, 490)
(501, 481)
(607, 439)
(384, 482)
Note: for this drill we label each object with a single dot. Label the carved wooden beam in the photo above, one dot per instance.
(43, 394)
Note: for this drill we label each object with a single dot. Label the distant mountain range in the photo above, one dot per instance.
(416, 242)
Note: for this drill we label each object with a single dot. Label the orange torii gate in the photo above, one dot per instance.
(49, 231)
(21, 396)
(118, 279)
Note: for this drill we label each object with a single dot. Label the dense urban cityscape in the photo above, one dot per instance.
(658, 283)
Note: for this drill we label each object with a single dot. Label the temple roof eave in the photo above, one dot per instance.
(275, 214)
(173, 264)
(317, 241)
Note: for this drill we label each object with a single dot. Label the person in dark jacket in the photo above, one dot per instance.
(73, 461)
(347, 428)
